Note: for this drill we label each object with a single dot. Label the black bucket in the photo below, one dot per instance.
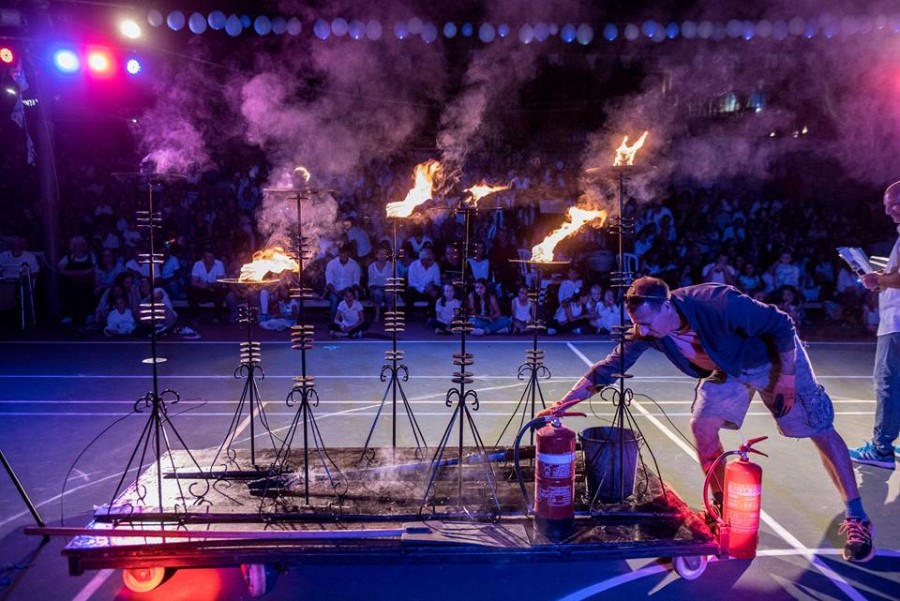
(610, 462)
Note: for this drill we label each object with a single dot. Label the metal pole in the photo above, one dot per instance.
(12, 476)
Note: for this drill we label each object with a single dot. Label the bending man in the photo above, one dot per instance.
(736, 347)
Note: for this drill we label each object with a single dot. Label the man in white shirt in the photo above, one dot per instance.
(423, 280)
(15, 261)
(356, 234)
(341, 273)
(205, 286)
(880, 452)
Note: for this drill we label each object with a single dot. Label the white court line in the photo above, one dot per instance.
(144, 376)
(656, 568)
(645, 413)
(93, 586)
(230, 402)
(789, 538)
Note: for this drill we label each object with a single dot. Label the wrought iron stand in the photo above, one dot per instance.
(303, 395)
(394, 372)
(248, 369)
(155, 435)
(466, 402)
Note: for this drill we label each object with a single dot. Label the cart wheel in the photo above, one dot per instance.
(690, 567)
(142, 580)
(260, 578)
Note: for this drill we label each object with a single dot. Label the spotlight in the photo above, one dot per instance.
(7, 56)
(100, 62)
(66, 61)
(130, 29)
(133, 66)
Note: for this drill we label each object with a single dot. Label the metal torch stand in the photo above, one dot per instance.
(466, 402)
(154, 437)
(394, 372)
(533, 369)
(620, 395)
(249, 370)
(303, 395)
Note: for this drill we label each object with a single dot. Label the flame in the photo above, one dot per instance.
(479, 191)
(303, 172)
(543, 252)
(272, 260)
(423, 175)
(625, 153)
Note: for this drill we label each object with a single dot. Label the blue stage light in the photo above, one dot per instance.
(66, 60)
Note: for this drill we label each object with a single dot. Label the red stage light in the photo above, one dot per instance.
(7, 56)
(100, 62)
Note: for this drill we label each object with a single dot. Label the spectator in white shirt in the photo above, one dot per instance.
(379, 271)
(720, 271)
(423, 280)
(341, 273)
(120, 321)
(350, 318)
(15, 261)
(205, 286)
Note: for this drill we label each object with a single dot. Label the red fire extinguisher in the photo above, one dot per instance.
(742, 499)
(554, 476)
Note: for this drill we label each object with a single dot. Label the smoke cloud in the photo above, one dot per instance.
(333, 105)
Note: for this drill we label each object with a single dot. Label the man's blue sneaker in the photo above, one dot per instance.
(869, 455)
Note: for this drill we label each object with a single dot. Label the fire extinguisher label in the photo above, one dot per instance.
(556, 466)
(555, 496)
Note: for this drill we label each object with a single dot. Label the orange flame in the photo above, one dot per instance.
(479, 191)
(625, 153)
(272, 260)
(543, 252)
(422, 190)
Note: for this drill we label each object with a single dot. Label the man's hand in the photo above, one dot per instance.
(870, 280)
(783, 394)
(549, 411)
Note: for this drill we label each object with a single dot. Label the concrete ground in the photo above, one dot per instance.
(69, 428)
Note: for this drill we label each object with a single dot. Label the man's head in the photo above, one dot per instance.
(892, 202)
(649, 305)
(17, 245)
(343, 253)
(426, 256)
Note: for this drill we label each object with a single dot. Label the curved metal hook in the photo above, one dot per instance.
(472, 397)
(451, 394)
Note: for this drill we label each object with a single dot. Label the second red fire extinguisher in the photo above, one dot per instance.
(738, 523)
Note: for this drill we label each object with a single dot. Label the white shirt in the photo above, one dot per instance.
(418, 276)
(889, 298)
(342, 275)
(523, 312)
(349, 316)
(378, 277)
(210, 277)
(120, 323)
(445, 309)
(11, 266)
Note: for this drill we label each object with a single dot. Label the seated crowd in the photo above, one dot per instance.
(208, 232)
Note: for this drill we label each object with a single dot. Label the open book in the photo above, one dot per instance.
(856, 258)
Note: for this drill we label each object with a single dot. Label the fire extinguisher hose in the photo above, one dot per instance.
(538, 421)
